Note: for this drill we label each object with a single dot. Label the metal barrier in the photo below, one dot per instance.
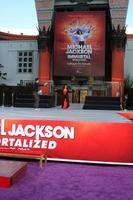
(97, 88)
(113, 89)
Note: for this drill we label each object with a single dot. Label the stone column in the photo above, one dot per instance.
(118, 51)
(44, 60)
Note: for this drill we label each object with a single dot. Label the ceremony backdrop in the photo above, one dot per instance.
(79, 43)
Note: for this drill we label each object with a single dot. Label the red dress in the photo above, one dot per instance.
(65, 98)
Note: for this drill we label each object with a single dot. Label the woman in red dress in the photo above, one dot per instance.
(65, 97)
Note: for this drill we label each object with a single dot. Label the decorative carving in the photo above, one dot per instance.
(119, 37)
(81, 1)
(44, 38)
(82, 5)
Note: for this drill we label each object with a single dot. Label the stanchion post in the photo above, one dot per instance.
(3, 99)
(12, 99)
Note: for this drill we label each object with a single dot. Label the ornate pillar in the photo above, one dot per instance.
(119, 38)
(44, 60)
(45, 10)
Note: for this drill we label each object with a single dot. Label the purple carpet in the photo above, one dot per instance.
(67, 181)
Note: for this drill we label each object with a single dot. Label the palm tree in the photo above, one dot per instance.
(3, 76)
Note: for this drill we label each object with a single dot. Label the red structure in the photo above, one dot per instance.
(44, 68)
(11, 172)
(114, 54)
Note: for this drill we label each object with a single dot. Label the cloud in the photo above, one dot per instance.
(129, 30)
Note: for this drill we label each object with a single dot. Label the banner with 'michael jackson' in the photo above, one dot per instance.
(68, 140)
(79, 43)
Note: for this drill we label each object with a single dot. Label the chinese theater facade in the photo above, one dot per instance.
(82, 44)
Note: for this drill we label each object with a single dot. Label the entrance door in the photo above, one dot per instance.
(78, 95)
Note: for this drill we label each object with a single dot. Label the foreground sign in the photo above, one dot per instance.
(82, 141)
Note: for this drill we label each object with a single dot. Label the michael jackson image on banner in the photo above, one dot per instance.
(79, 45)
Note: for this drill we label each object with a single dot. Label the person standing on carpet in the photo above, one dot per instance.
(65, 97)
(36, 93)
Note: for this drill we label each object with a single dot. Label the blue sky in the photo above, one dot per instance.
(20, 16)
(129, 20)
(18, 13)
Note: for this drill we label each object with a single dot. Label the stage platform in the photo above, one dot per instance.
(73, 113)
(11, 172)
(73, 134)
